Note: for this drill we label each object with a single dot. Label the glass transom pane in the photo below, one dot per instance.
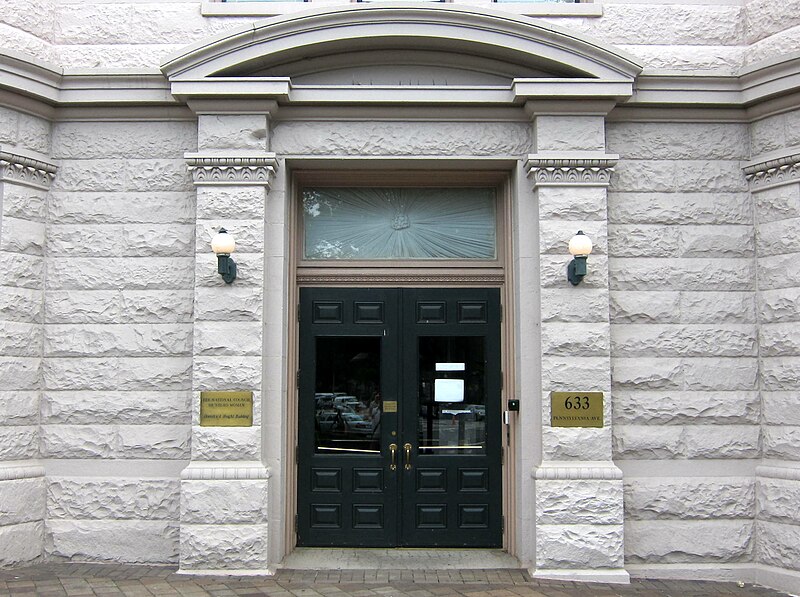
(399, 223)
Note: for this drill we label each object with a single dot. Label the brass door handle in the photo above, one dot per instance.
(407, 448)
(393, 453)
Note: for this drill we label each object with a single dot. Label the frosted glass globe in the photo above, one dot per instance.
(223, 242)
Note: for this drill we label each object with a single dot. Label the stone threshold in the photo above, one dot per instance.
(322, 558)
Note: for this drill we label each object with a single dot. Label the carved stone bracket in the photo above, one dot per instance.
(775, 172)
(232, 170)
(26, 171)
(573, 170)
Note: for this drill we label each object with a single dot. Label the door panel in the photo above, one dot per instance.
(400, 418)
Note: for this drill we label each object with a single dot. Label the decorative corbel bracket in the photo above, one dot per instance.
(25, 170)
(216, 169)
(584, 170)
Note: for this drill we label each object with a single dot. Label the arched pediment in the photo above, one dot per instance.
(358, 44)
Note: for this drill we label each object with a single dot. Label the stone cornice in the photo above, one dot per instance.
(775, 171)
(216, 169)
(25, 170)
(585, 170)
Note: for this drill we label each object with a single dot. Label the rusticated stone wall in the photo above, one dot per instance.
(683, 341)
(776, 194)
(24, 178)
(771, 28)
(115, 421)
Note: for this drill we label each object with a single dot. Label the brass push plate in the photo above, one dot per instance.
(576, 409)
(226, 409)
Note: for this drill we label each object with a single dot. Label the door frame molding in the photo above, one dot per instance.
(443, 274)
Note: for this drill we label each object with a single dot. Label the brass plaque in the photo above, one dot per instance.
(576, 409)
(226, 409)
(390, 406)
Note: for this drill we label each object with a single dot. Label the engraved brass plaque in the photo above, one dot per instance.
(226, 409)
(576, 409)
(390, 406)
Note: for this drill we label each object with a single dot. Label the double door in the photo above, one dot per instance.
(399, 437)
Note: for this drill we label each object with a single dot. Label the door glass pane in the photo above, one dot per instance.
(452, 395)
(347, 399)
(399, 223)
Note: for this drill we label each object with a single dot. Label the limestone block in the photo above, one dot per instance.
(220, 202)
(778, 271)
(223, 547)
(124, 541)
(111, 407)
(778, 237)
(778, 500)
(575, 339)
(578, 502)
(780, 408)
(723, 60)
(717, 241)
(554, 236)
(142, 339)
(696, 498)
(648, 442)
(779, 339)
(121, 240)
(679, 208)
(763, 18)
(587, 373)
(9, 122)
(692, 176)
(22, 236)
(21, 304)
(241, 131)
(91, 175)
(678, 140)
(34, 133)
(717, 307)
(793, 117)
(21, 500)
(571, 203)
(646, 373)
(135, 56)
(781, 442)
(20, 339)
(679, 541)
(644, 307)
(565, 305)
(21, 271)
(683, 340)
(140, 273)
(159, 442)
(722, 441)
(680, 274)
(767, 134)
(117, 373)
(780, 373)
(777, 203)
(575, 443)
(232, 303)
(249, 234)
(25, 203)
(158, 175)
(19, 407)
(100, 140)
(637, 407)
(115, 306)
(156, 306)
(79, 441)
(226, 443)
(121, 207)
(224, 502)
(777, 544)
(21, 543)
(779, 305)
(579, 546)
(720, 374)
(19, 442)
(249, 270)
(112, 498)
(643, 240)
(553, 271)
(228, 338)
(569, 133)
(221, 371)
(20, 373)
(402, 138)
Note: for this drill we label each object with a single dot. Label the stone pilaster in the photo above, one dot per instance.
(224, 490)
(578, 490)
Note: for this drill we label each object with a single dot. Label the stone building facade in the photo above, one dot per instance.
(669, 132)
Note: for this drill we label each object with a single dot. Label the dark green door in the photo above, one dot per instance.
(399, 438)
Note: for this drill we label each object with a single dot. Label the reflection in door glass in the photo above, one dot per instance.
(347, 398)
(452, 395)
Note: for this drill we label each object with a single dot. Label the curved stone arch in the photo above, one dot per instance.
(447, 29)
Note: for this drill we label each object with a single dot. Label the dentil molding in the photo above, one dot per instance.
(584, 170)
(23, 170)
(774, 172)
(214, 169)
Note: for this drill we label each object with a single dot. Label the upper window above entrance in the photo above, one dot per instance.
(399, 223)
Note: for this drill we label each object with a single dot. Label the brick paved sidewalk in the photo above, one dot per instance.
(106, 579)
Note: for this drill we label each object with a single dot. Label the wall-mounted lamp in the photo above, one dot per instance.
(223, 244)
(579, 246)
